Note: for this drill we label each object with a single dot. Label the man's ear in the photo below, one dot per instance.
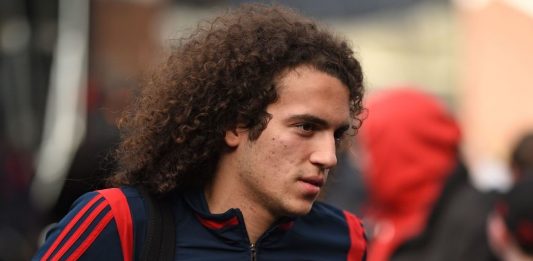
(234, 137)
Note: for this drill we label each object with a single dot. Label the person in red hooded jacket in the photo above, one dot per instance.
(420, 202)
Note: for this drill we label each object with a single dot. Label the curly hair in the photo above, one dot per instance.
(222, 76)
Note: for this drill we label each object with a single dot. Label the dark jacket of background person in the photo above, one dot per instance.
(409, 150)
(455, 229)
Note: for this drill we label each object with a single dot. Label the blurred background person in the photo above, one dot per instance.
(421, 205)
(510, 226)
(67, 69)
(345, 188)
(522, 158)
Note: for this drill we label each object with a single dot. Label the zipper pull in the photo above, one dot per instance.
(253, 252)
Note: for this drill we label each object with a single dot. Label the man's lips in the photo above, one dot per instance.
(315, 181)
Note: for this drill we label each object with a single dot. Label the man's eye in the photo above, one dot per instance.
(339, 135)
(306, 127)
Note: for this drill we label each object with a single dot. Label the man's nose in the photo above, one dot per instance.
(324, 154)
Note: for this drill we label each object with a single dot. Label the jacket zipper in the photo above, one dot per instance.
(253, 252)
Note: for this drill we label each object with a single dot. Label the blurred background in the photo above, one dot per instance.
(69, 67)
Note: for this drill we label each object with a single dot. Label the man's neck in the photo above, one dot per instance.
(222, 194)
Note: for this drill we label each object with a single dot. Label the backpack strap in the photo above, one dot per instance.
(122, 215)
(160, 241)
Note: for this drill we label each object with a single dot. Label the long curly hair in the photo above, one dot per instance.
(222, 76)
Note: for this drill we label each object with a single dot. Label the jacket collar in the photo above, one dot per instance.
(230, 224)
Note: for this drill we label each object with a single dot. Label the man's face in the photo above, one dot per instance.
(285, 168)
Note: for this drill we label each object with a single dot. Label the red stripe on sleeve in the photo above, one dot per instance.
(122, 214)
(91, 237)
(357, 239)
(69, 226)
(81, 229)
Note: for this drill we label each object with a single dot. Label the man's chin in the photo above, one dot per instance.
(300, 210)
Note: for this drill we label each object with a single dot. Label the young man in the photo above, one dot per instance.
(238, 132)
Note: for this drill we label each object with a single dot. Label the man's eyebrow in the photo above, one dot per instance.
(316, 120)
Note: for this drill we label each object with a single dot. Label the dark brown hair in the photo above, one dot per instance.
(222, 76)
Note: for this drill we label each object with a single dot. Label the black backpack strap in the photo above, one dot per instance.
(160, 240)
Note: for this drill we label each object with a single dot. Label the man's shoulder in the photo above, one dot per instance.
(87, 229)
(324, 218)
(329, 232)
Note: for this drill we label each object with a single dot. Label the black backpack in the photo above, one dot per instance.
(160, 240)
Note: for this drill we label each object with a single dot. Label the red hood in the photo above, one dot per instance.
(410, 143)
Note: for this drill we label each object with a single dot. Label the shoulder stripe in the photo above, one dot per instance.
(69, 226)
(91, 237)
(357, 238)
(121, 211)
(80, 230)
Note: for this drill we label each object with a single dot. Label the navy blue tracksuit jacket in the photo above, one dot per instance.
(90, 231)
